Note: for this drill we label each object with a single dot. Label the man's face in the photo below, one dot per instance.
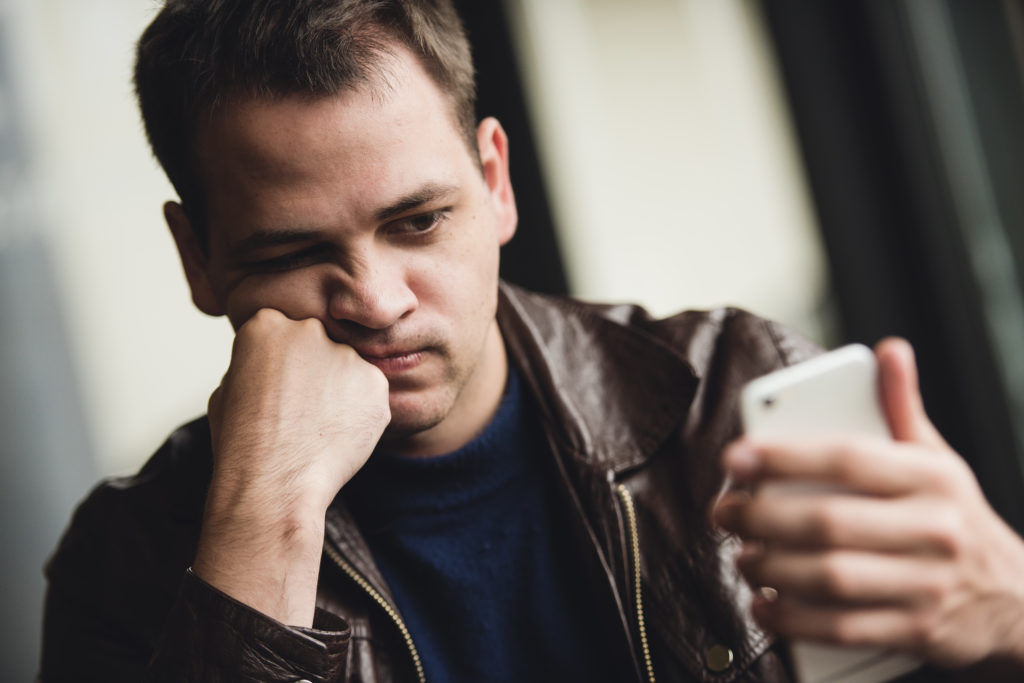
(366, 211)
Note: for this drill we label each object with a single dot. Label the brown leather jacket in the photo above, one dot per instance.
(636, 411)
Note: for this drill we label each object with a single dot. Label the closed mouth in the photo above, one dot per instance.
(392, 361)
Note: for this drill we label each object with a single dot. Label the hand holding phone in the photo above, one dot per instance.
(833, 395)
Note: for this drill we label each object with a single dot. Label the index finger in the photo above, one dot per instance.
(869, 465)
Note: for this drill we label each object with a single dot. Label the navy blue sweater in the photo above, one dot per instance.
(477, 557)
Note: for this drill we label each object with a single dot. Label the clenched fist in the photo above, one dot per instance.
(294, 418)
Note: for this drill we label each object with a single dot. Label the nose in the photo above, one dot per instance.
(374, 296)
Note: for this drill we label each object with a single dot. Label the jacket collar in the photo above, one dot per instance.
(609, 392)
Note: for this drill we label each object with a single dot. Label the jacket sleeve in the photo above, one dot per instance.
(209, 636)
(121, 605)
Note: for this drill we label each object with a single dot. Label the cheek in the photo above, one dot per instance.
(464, 265)
(462, 289)
(298, 295)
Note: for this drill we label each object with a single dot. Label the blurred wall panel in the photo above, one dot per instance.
(45, 453)
(45, 459)
(147, 360)
(909, 116)
(673, 170)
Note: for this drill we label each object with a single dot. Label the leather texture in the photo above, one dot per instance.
(625, 399)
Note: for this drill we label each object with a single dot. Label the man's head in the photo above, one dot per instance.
(363, 206)
(198, 55)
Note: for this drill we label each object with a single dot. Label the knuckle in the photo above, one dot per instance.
(262, 322)
(266, 316)
(934, 587)
(922, 634)
(823, 525)
(349, 361)
(376, 386)
(845, 461)
(347, 354)
(943, 478)
(948, 475)
(748, 519)
(378, 381)
(310, 328)
(846, 629)
(835, 580)
(946, 531)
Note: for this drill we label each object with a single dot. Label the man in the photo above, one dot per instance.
(411, 472)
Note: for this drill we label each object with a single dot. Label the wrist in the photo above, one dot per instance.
(294, 478)
(263, 502)
(262, 549)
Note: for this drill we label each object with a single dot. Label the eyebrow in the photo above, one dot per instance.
(265, 239)
(426, 194)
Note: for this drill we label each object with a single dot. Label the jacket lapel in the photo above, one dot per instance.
(612, 394)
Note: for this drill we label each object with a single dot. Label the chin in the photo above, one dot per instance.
(414, 414)
(405, 427)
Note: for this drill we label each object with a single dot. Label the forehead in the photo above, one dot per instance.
(359, 145)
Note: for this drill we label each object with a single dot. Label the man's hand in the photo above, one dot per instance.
(897, 549)
(294, 418)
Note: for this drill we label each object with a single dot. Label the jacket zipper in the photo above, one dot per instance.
(634, 543)
(385, 605)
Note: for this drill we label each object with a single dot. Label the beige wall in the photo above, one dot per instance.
(146, 359)
(672, 162)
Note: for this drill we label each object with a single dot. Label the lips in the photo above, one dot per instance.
(392, 362)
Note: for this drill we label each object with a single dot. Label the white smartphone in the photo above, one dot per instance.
(834, 394)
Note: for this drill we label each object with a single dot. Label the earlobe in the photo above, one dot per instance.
(492, 144)
(193, 260)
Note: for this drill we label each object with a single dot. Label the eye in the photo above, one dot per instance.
(289, 261)
(419, 223)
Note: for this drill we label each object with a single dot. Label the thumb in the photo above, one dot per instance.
(901, 397)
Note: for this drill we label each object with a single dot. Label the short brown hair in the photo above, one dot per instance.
(196, 54)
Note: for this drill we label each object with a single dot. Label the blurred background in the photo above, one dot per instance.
(848, 168)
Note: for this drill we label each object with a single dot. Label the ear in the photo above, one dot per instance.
(492, 144)
(193, 260)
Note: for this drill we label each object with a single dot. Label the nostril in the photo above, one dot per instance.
(375, 303)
